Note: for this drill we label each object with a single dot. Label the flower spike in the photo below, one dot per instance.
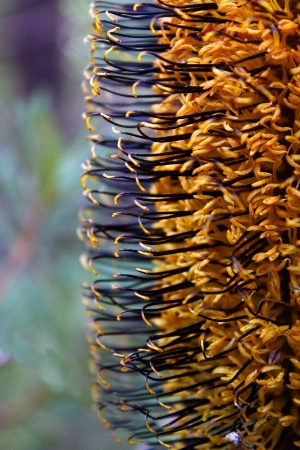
(192, 221)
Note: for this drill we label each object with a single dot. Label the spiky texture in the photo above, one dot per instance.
(204, 235)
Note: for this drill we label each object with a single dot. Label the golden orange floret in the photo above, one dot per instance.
(244, 177)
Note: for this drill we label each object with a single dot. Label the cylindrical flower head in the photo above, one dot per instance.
(192, 230)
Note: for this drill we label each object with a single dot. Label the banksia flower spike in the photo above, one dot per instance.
(192, 222)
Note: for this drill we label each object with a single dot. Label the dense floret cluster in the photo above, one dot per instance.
(193, 222)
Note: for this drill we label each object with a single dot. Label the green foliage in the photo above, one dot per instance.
(45, 383)
(43, 325)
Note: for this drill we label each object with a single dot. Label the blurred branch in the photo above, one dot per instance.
(22, 250)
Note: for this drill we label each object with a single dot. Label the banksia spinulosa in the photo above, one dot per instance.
(193, 218)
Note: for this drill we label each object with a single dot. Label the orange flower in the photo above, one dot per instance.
(196, 308)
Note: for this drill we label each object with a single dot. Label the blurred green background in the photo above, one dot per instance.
(45, 382)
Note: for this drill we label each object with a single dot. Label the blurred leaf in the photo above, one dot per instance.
(42, 145)
(43, 324)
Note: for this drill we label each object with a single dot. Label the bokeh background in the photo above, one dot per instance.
(45, 382)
